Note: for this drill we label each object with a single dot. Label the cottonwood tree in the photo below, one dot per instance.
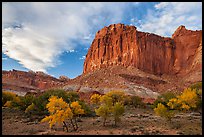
(111, 105)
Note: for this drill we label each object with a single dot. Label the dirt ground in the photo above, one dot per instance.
(133, 122)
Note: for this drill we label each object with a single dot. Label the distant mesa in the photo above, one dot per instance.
(16, 80)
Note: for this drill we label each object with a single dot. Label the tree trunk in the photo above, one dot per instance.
(76, 123)
(73, 125)
(115, 121)
(65, 126)
(104, 121)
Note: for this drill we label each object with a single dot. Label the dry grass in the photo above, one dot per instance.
(134, 122)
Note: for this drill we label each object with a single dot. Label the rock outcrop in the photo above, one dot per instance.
(188, 52)
(64, 78)
(124, 45)
(28, 81)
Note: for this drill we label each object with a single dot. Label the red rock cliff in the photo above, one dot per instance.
(188, 51)
(34, 80)
(120, 44)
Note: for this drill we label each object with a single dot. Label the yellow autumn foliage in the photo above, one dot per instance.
(10, 99)
(8, 104)
(59, 111)
(95, 98)
(9, 96)
(111, 104)
(188, 99)
(107, 100)
(30, 108)
(55, 104)
(117, 96)
(162, 111)
(76, 108)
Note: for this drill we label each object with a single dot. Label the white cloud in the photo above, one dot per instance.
(136, 22)
(4, 58)
(34, 54)
(168, 16)
(88, 37)
(161, 5)
(71, 51)
(86, 48)
(87, 40)
(49, 29)
(83, 57)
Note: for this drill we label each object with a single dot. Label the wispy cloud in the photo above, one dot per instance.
(35, 34)
(167, 16)
(135, 22)
(83, 57)
(71, 51)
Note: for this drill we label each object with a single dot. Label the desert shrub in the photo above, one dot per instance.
(128, 100)
(67, 96)
(72, 96)
(57, 92)
(137, 102)
(167, 96)
(8, 96)
(86, 108)
(10, 99)
(26, 101)
(163, 111)
(163, 98)
(156, 102)
(16, 102)
(199, 101)
(197, 86)
(30, 108)
(41, 101)
(8, 104)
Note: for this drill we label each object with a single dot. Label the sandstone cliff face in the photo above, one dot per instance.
(188, 53)
(120, 44)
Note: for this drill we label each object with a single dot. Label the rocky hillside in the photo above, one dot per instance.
(124, 45)
(22, 82)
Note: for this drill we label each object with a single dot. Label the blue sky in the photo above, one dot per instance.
(55, 37)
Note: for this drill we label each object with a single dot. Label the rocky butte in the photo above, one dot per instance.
(140, 63)
(124, 45)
